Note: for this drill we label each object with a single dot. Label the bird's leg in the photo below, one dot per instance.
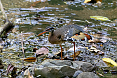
(74, 57)
(61, 52)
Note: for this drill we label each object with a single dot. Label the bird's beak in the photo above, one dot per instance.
(42, 33)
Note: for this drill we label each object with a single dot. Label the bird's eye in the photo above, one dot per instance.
(47, 29)
(59, 36)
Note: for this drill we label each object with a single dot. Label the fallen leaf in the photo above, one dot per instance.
(100, 74)
(42, 50)
(10, 68)
(77, 53)
(109, 62)
(86, 1)
(89, 1)
(101, 45)
(99, 18)
(93, 49)
(30, 59)
(101, 53)
(1, 47)
(65, 2)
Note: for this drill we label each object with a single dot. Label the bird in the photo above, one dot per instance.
(63, 34)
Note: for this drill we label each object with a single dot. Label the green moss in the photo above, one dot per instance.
(111, 32)
(108, 74)
(74, 7)
(56, 2)
(107, 1)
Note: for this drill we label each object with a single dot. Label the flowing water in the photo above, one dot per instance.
(32, 16)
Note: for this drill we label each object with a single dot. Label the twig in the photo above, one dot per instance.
(100, 74)
(22, 44)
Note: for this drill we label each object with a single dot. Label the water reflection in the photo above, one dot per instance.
(36, 0)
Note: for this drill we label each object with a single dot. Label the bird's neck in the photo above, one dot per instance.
(51, 33)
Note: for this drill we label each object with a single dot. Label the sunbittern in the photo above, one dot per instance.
(65, 33)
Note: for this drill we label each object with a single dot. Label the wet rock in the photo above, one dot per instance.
(87, 75)
(60, 68)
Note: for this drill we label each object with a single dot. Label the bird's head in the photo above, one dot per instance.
(48, 29)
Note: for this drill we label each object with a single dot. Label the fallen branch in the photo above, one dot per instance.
(3, 12)
(8, 26)
(22, 44)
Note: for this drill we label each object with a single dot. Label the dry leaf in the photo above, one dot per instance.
(10, 68)
(100, 74)
(77, 53)
(101, 53)
(87, 1)
(30, 59)
(42, 50)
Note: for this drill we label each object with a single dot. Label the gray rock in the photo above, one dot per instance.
(87, 67)
(60, 68)
(51, 62)
(49, 72)
(101, 63)
(77, 73)
(84, 66)
(87, 75)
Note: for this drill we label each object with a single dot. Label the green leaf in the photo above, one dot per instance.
(100, 18)
(109, 62)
